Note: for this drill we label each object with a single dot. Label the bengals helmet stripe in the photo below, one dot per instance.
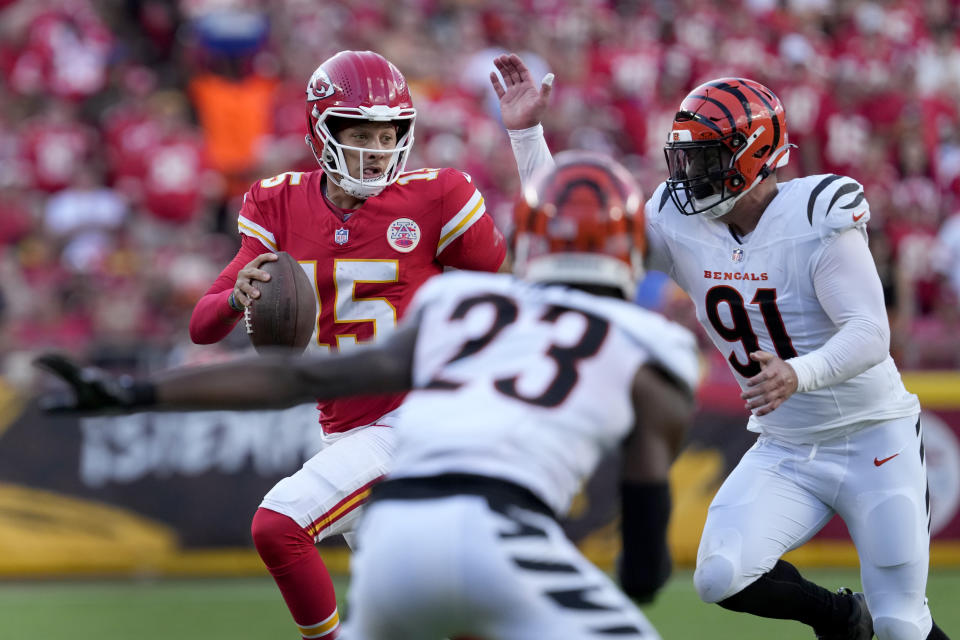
(744, 103)
(773, 116)
(706, 121)
(581, 222)
(722, 107)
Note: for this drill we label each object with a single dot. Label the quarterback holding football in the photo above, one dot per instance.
(367, 234)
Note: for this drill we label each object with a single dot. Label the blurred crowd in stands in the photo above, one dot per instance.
(129, 131)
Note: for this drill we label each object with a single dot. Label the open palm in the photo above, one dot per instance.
(522, 104)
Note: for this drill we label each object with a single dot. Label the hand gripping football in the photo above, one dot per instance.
(285, 314)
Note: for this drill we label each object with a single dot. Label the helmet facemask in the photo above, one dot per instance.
(332, 155)
(705, 177)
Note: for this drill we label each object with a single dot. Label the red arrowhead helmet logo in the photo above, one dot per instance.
(320, 86)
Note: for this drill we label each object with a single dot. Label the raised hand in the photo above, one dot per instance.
(522, 103)
(92, 390)
(770, 388)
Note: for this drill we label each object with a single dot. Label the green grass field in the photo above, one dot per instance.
(247, 609)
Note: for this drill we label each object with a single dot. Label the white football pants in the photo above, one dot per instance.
(428, 569)
(781, 494)
(327, 494)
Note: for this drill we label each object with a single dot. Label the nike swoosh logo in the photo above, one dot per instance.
(856, 218)
(877, 461)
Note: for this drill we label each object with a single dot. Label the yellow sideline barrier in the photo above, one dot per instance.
(936, 389)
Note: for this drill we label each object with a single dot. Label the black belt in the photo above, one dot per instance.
(499, 493)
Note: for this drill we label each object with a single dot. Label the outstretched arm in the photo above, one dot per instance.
(522, 107)
(259, 382)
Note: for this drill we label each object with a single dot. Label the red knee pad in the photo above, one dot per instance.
(278, 539)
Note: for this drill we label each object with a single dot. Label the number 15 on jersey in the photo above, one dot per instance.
(349, 308)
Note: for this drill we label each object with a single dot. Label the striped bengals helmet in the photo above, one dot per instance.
(580, 222)
(728, 135)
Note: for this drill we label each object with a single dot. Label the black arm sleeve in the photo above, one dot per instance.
(645, 563)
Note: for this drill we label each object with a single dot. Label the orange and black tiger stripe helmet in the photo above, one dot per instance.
(728, 135)
(581, 222)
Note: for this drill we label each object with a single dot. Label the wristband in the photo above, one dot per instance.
(136, 393)
(232, 301)
(645, 563)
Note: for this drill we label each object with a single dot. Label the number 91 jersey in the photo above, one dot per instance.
(528, 383)
(758, 293)
(365, 269)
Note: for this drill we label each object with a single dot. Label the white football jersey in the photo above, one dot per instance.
(528, 383)
(758, 292)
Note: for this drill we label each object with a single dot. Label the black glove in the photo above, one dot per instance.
(92, 390)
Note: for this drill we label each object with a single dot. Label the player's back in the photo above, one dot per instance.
(525, 382)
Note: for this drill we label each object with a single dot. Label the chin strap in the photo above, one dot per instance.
(356, 189)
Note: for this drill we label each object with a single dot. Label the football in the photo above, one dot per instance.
(285, 314)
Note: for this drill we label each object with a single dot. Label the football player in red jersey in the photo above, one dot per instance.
(368, 234)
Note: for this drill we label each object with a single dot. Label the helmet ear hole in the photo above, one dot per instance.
(762, 151)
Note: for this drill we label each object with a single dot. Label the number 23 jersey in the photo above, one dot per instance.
(365, 269)
(525, 382)
(758, 292)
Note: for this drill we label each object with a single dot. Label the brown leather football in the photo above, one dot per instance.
(285, 314)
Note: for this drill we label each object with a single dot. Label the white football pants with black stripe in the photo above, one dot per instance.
(780, 495)
(436, 568)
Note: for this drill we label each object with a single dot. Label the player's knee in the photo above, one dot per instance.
(890, 628)
(277, 538)
(714, 578)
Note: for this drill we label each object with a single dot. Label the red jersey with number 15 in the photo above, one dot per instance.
(366, 268)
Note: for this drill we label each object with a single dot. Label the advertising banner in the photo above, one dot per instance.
(173, 493)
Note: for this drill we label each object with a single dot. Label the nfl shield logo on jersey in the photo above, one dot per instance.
(403, 234)
(738, 255)
(341, 235)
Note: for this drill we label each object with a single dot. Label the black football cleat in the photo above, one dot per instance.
(859, 625)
